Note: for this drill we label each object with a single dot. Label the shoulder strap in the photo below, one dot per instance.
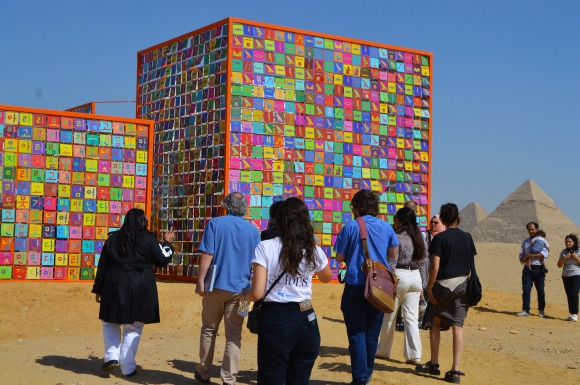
(274, 284)
(369, 263)
(364, 234)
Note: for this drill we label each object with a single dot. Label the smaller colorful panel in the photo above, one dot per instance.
(66, 182)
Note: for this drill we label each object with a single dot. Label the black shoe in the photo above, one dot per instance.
(198, 377)
(429, 368)
(453, 376)
(109, 365)
(134, 372)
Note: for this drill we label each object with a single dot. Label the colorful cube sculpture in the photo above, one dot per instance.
(273, 112)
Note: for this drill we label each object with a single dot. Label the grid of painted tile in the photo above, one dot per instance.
(322, 118)
(309, 116)
(66, 183)
(182, 87)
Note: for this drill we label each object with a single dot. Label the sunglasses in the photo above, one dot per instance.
(434, 223)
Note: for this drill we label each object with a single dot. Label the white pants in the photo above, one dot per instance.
(123, 349)
(408, 295)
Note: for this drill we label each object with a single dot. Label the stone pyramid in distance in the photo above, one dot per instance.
(471, 215)
(528, 203)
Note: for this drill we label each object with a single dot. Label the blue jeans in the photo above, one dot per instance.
(288, 344)
(363, 324)
(535, 276)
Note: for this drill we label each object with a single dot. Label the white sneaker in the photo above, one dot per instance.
(542, 314)
(523, 313)
(573, 318)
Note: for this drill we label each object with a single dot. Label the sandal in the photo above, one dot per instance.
(453, 376)
(429, 368)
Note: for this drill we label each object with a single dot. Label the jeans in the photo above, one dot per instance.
(572, 286)
(363, 324)
(535, 276)
(288, 344)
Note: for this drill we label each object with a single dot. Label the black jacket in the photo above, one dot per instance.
(126, 283)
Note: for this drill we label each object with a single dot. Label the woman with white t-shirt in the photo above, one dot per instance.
(289, 338)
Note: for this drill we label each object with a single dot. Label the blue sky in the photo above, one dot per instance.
(504, 90)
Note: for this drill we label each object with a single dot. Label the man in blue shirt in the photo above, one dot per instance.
(228, 242)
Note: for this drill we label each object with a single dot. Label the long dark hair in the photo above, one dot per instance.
(133, 226)
(408, 224)
(297, 235)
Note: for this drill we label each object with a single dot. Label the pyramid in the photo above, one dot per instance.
(471, 215)
(528, 203)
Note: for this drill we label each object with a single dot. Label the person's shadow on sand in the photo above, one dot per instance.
(247, 377)
(492, 310)
(92, 366)
(380, 364)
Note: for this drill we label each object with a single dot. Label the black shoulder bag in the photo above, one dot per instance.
(474, 289)
(253, 323)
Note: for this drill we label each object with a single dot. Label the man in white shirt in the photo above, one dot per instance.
(534, 276)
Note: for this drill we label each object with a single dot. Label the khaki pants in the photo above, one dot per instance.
(217, 305)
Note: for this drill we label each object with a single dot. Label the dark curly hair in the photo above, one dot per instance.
(133, 226)
(297, 235)
(408, 224)
(574, 239)
(366, 202)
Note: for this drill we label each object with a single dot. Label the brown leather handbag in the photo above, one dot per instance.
(380, 282)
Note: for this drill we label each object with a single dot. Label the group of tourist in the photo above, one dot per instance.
(278, 266)
(535, 250)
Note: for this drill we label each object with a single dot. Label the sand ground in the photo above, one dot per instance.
(50, 334)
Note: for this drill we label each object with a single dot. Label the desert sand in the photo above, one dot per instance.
(50, 334)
